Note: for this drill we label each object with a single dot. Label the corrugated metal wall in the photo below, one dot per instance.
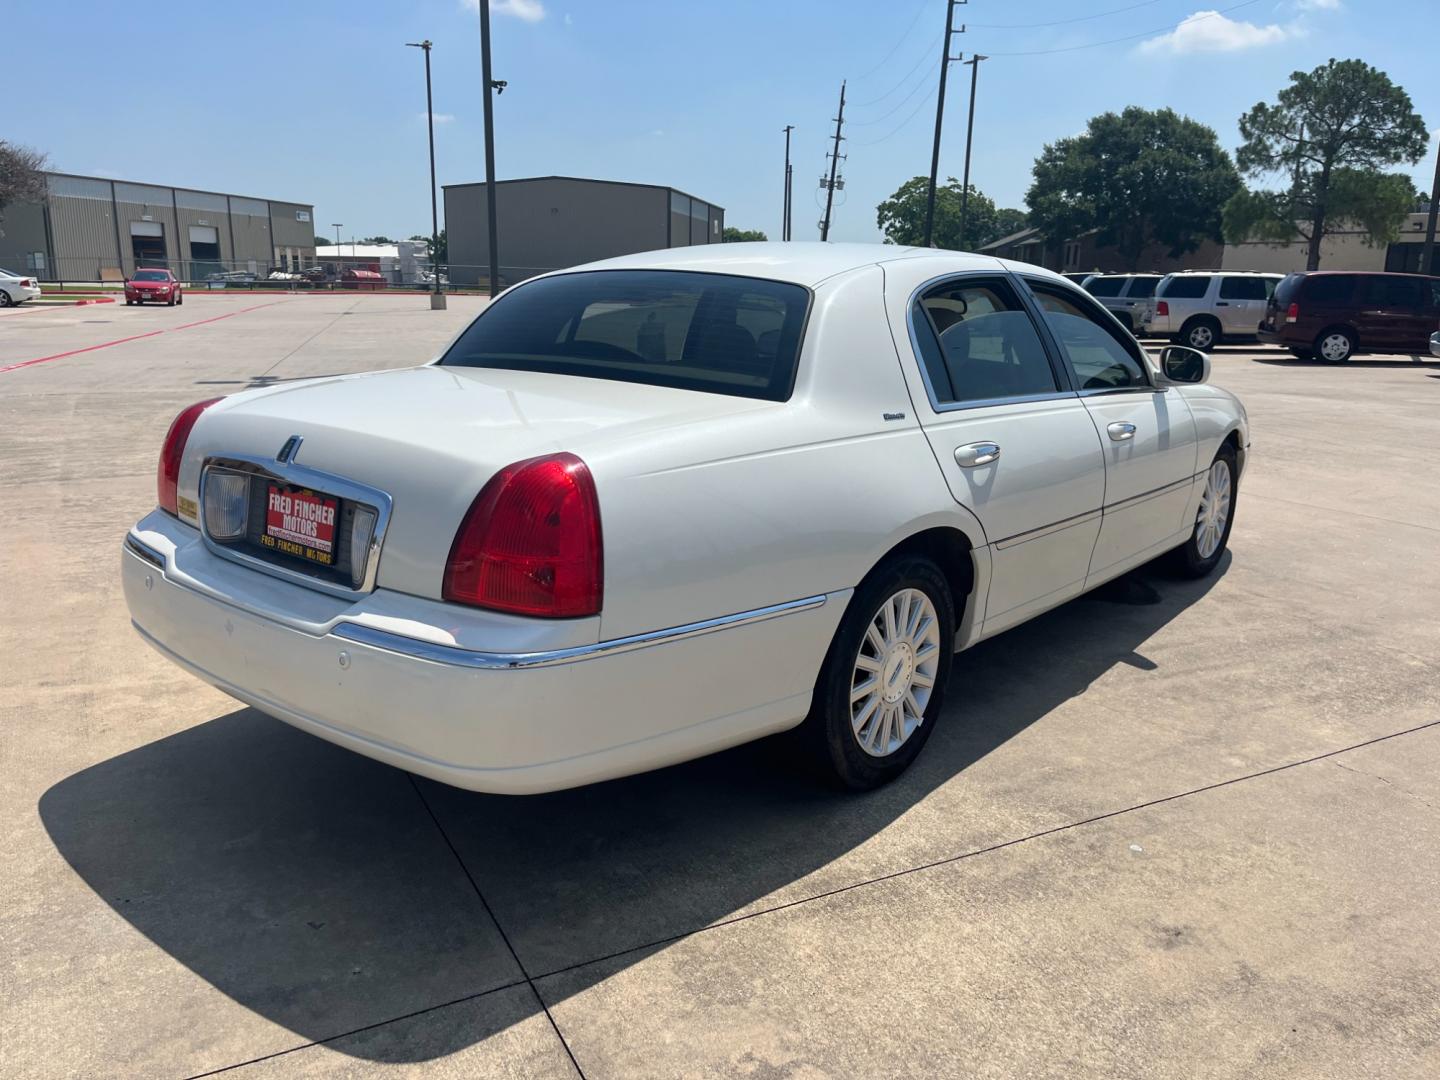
(91, 219)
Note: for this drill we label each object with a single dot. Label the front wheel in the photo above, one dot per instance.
(1201, 552)
(879, 693)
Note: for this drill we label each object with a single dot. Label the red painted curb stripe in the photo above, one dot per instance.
(136, 337)
(77, 352)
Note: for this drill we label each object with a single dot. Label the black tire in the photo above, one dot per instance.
(1335, 334)
(1186, 559)
(1201, 332)
(180, 299)
(129, 303)
(5, 300)
(828, 730)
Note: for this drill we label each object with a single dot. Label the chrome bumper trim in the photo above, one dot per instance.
(145, 551)
(488, 661)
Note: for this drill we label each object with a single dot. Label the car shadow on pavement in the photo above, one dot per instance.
(1358, 363)
(312, 886)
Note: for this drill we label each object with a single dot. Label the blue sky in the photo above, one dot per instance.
(320, 101)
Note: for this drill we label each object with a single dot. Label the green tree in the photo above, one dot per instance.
(377, 240)
(22, 175)
(1327, 138)
(741, 236)
(901, 217)
(1140, 177)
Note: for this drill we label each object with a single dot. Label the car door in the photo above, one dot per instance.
(1015, 443)
(1394, 313)
(1138, 293)
(1147, 432)
(1240, 304)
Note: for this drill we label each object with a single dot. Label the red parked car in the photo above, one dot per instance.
(1333, 314)
(154, 286)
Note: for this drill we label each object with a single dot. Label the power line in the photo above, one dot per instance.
(1065, 22)
(1130, 37)
(924, 57)
(901, 127)
(919, 10)
(921, 85)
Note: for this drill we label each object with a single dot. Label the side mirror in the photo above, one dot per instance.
(1180, 364)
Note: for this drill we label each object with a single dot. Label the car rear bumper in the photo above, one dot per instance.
(488, 721)
(1272, 337)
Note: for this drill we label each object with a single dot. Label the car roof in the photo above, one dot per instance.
(801, 262)
(1228, 273)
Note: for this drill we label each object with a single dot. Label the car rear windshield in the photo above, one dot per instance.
(693, 331)
(1288, 289)
(1183, 288)
(151, 275)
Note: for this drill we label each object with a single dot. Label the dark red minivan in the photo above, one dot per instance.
(1333, 314)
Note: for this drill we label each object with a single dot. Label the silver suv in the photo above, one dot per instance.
(1124, 294)
(1200, 308)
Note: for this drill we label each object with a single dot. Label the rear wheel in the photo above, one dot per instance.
(1336, 344)
(5, 300)
(1201, 333)
(1201, 552)
(180, 298)
(879, 693)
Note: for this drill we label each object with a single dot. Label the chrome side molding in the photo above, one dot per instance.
(489, 661)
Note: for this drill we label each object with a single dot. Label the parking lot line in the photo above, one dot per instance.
(136, 337)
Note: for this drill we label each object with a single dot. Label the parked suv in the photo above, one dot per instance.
(1201, 308)
(1124, 294)
(1335, 314)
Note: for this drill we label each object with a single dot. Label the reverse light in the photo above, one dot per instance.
(1162, 308)
(1292, 313)
(227, 504)
(167, 477)
(530, 543)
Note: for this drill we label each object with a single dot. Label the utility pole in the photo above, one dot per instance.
(498, 87)
(785, 213)
(437, 298)
(940, 118)
(974, 63)
(1427, 251)
(834, 164)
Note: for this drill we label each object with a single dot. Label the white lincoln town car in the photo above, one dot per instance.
(659, 505)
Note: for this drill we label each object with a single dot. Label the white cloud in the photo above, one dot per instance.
(528, 10)
(1209, 31)
(1318, 5)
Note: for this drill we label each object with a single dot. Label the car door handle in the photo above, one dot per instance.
(1121, 431)
(978, 453)
(1222, 303)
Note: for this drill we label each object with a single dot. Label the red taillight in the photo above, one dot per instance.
(1292, 313)
(167, 477)
(530, 543)
(1162, 308)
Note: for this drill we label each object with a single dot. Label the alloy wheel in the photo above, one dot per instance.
(1201, 336)
(1335, 347)
(1214, 510)
(894, 672)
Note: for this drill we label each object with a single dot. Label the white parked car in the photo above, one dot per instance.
(1202, 308)
(17, 288)
(656, 506)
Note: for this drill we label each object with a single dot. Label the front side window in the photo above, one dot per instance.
(1098, 350)
(694, 331)
(1242, 288)
(1183, 288)
(977, 343)
(1393, 293)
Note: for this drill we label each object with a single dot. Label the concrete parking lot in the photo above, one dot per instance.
(1170, 829)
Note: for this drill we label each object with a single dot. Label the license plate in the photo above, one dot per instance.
(300, 523)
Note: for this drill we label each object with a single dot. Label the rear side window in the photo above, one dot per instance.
(1329, 289)
(1142, 287)
(1184, 288)
(1105, 286)
(1242, 288)
(978, 344)
(708, 332)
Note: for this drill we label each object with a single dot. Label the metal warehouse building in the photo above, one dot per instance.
(92, 229)
(550, 222)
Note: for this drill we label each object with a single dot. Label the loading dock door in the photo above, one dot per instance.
(204, 251)
(147, 244)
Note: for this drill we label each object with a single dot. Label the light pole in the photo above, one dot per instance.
(974, 63)
(437, 298)
(785, 212)
(498, 87)
(336, 265)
